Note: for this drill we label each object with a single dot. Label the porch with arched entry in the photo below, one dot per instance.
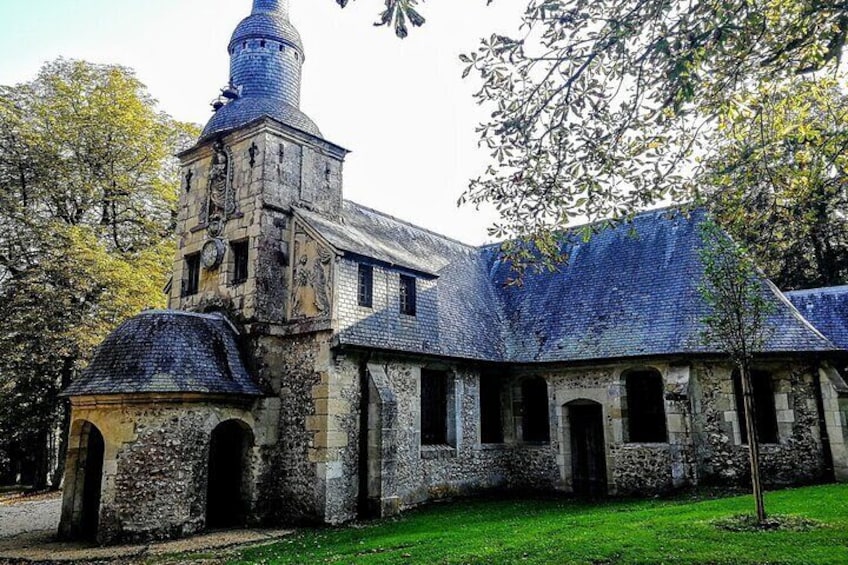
(83, 482)
(229, 479)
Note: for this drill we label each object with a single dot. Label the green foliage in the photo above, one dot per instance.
(777, 179)
(600, 108)
(87, 205)
(396, 15)
(736, 296)
(555, 530)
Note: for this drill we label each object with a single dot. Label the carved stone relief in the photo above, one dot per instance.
(221, 199)
(311, 278)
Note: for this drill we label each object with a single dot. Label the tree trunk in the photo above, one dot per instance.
(42, 455)
(753, 441)
(65, 413)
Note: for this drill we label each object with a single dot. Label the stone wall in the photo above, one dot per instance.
(461, 466)
(270, 169)
(311, 472)
(798, 457)
(156, 459)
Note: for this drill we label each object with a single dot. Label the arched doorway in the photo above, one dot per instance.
(588, 450)
(228, 485)
(86, 479)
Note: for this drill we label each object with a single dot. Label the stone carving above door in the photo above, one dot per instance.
(312, 271)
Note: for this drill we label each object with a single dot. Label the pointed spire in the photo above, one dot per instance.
(280, 7)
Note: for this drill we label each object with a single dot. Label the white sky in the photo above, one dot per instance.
(399, 106)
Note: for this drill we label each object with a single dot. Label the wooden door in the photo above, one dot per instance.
(588, 453)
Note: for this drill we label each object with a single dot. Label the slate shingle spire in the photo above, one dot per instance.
(266, 58)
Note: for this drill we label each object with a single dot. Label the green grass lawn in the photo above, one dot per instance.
(566, 531)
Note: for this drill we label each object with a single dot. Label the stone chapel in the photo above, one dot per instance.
(322, 361)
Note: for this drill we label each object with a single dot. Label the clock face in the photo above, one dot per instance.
(212, 254)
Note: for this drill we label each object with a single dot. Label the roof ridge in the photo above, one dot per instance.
(643, 213)
(206, 316)
(410, 224)
(818, 290)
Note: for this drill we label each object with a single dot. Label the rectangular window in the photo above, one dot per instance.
(192, 274)
(407, 295)
(491, 424)
(765, 414)
(535, 422)
(434, 407)
(366, 285)
(645, 407)
(240, 261)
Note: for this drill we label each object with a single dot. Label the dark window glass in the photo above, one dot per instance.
(434, 408)
(407, 295)
(240, 261)
(535, 423)
(366, 285)
(645, 407)
(491, 425)
(765, 413)
(192, 274)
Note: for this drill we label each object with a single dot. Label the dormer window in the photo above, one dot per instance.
(366, 285)
(407, 295)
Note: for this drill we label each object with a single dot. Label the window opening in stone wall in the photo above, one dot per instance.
(241, 254)
(645, 407)
(491, 421)
(765, 413)
(366, 285)
(434, 407)
(192, 279)
(262, 43)
(407, 295)
(535, 424)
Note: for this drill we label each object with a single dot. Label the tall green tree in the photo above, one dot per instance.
(777, 182)
(735, 294)
(88, 188)
(602, 107)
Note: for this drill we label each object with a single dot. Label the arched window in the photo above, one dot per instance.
(535, 422)
(765, 414)
(645, 406)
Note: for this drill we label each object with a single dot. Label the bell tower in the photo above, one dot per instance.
(258, 161)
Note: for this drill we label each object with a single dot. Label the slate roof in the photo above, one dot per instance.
(268, 79)
(271, 25)
(245, 110)
(826, 309)
(461, 309)
(166, 351)
(630, 291)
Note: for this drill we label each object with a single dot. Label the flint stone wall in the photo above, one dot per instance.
(797, 458)
(156, 465)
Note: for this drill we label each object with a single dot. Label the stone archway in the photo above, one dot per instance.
(588, 449)
(81, 506)
(228, 485)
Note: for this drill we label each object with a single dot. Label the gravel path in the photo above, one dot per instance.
(23, 515)
(28, 534)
